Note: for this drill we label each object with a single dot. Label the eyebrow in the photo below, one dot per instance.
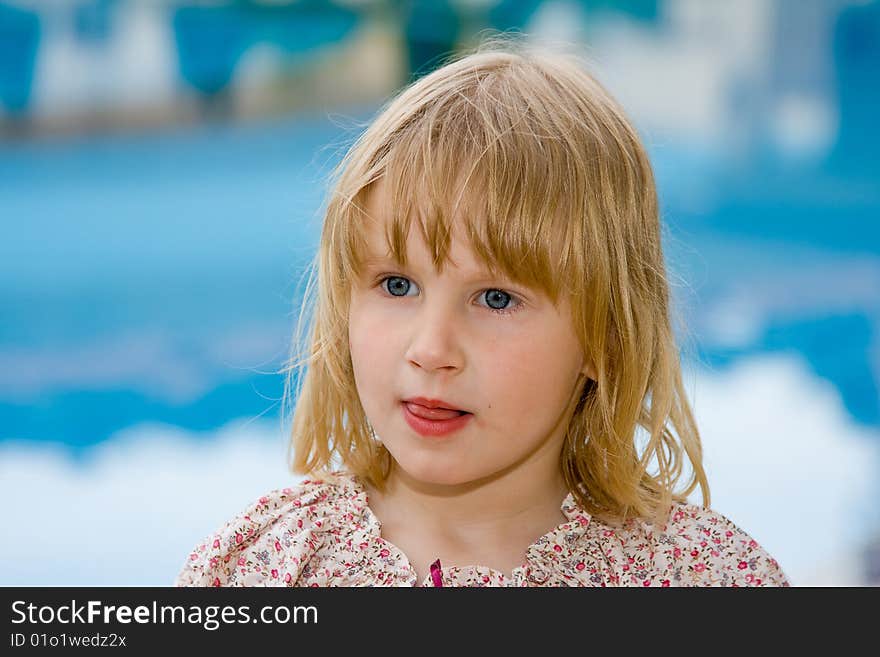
(478, 275)
(376, 260)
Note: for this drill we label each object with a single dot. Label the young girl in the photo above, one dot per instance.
(492, 393)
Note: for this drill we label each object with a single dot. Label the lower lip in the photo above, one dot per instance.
(434, 427)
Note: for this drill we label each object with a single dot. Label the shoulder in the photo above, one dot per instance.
(716, 551)
(271, 537)
(695, 546)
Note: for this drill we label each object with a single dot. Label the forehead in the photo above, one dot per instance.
(420, 235)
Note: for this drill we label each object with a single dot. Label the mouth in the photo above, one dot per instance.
(438, 422)
(437, 413)
(433, 409)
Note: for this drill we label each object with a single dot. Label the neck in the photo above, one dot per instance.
(520, 503)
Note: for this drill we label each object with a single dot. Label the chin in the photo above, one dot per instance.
(435, 471)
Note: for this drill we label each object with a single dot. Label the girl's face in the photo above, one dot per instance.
(485, 345)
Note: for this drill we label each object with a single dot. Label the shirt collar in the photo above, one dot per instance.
(569, 506)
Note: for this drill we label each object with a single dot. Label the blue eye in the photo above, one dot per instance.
(399, 283)
(398, 286)
(498, 296)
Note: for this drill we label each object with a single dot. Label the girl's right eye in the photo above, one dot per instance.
(396, 284)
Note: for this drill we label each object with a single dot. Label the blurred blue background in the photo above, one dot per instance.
(163, 166)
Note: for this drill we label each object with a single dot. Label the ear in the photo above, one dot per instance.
(589, 370)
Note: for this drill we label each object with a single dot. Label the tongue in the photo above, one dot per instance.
(432, 413)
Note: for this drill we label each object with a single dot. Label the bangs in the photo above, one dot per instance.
(491, 161)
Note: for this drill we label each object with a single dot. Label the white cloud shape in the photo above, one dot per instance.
(784, 460)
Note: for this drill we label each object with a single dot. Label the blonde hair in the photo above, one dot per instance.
(560, 197)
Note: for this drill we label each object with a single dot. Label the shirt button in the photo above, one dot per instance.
(538, 575)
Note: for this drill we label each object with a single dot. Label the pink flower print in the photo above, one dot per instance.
(239, 538)
(241, 561)
(703, 544)
(315, 585)
(318, 523)
(485, 578)
(274, 573)
(715, 553)
(716, 540)
(580, 566)
(287, 578)
(678, 516)
(557, 548)
(695, 553)
(250, 531)
(753, 543)
(665, 583)
(193, 556)
(750, 578)
(286, 491)
(264, 500)
(728, 533)
(757, 581)
(700, 567)
(646, 582)
(299, 523)
(607, 533)
(676, 553)
(742, 565)
(216, 542)
(384, 553)
(278, 546)
(362, 546)
(216, 582)
(214, 562)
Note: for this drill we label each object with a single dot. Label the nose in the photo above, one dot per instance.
(435, 342)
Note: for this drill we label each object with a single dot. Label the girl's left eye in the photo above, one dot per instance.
(494, 296)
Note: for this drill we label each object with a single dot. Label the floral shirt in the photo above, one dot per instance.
(319, 533)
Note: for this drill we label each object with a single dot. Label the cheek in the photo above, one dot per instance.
(369, 344)
(362, 332)
(531, 374)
